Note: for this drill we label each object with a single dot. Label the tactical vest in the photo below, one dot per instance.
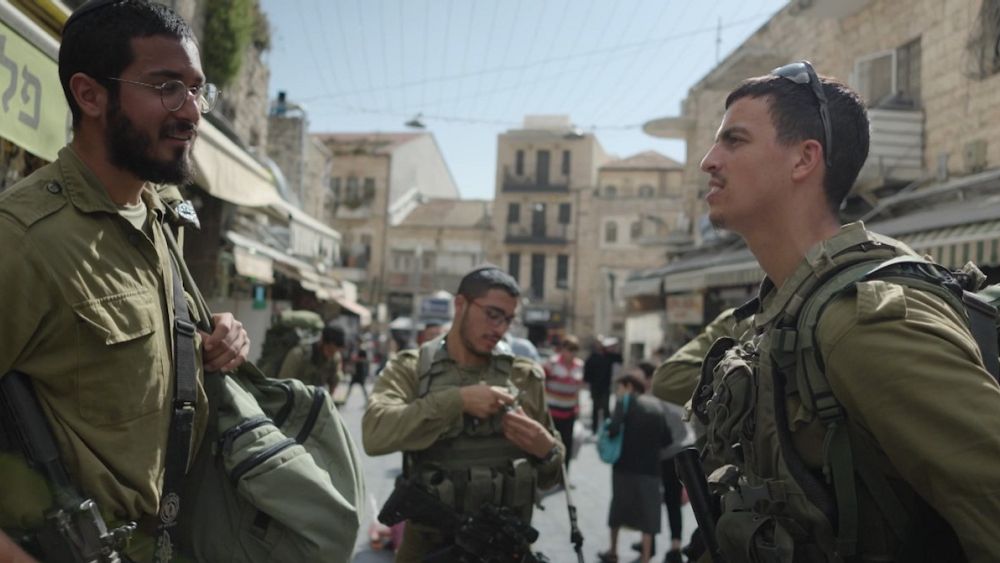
(475, 465)
(775, 507)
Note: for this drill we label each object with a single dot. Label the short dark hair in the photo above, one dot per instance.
(96, 40)
(334, 334)
(478, 282)
(795, 114)
(633, 381)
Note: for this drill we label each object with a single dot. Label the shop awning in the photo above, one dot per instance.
(252, 264)
(356, 309)
(642, 286)
(954, 246)
(227, 172)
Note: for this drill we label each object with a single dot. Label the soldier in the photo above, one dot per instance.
(319, 363)
(900, 459)
(88, 282)
(470, 418)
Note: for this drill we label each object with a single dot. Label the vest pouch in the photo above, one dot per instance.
(746, 536)
(485, 486)
(731, 408)
(519, 485)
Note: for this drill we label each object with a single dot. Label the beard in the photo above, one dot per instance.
(129, 149)
(468, 339)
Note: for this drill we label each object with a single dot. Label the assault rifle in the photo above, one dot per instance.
(705, 506)
(494, 534)
(74, 531)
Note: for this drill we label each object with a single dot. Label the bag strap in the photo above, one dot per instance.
(181, 420)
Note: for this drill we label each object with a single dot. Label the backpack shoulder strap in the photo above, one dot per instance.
(425, 360)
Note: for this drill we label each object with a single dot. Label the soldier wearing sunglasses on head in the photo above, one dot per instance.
(856, 420)
(94, 313)
(469, 417)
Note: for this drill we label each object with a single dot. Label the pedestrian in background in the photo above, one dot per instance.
(636, 476)
(563, 381)
(597, 372)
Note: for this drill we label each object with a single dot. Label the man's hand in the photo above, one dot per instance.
(527, 433)
(483, 401)
(228, 345)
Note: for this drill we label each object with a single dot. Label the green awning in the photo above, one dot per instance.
(956, 245)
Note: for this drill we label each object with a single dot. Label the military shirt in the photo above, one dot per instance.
(87, 313)
(676, 378)
(300, 364)
(904, 366)
(397, 419)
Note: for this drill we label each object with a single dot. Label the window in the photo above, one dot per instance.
(646, 191)
(610, 192)
(538, 220)
(519, 163)
(565, 163)
(369, 189)
(538, 276)
(984, 57)
(335, 187)
(514, 266)
(890, 78)
(542, 168)
(611, 232)
(562, 271)
(564, 213)
(635, 230)
(513, 213)
(352, 188)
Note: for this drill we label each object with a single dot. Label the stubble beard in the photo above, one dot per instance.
(468, 340)
(129, 149)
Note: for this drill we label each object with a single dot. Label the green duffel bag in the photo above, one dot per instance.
(277, 477)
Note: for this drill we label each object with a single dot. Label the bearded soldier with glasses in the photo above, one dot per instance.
(473, 426)
(856, 420)
(94, 316)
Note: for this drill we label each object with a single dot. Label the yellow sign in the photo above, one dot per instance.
(33, 111)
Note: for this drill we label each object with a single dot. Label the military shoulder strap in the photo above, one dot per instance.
(798, 347)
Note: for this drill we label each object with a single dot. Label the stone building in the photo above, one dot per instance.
(544, 171)
(432, 247)
(930, 75)
(634, 216)
(375, 180)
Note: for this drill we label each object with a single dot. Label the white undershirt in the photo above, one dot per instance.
(135, 214)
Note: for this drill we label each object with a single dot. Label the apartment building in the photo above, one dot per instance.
(376, 179)
(634, 217)
(544, 169)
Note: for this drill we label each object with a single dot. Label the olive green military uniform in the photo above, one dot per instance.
(910, 377)
(310, 366)
(87, 311)
(675, 379)
(401, 418)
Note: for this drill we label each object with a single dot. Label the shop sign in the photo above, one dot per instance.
(33, 110)
(686, 309)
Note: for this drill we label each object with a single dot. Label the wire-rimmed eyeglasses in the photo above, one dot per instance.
(174, 93)
(802, 72)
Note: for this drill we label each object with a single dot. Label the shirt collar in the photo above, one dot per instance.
(89, 195)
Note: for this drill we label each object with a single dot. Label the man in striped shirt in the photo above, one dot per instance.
(563, 381)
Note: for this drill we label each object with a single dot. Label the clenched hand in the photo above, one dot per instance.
(228, 345)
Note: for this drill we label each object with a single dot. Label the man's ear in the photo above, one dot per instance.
(90, 96)
(809, 159)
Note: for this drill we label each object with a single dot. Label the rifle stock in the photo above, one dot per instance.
(705, 506)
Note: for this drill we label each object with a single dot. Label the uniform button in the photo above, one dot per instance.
(53, 187)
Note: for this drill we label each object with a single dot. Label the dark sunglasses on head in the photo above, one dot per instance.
(802, 72)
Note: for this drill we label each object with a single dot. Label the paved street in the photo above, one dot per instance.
(592, 494)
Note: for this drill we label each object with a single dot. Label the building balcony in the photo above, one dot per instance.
(518, 184)
(896, 153)
(544, 234)
(424, 283)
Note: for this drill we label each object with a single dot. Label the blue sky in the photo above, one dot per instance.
(475, 68)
